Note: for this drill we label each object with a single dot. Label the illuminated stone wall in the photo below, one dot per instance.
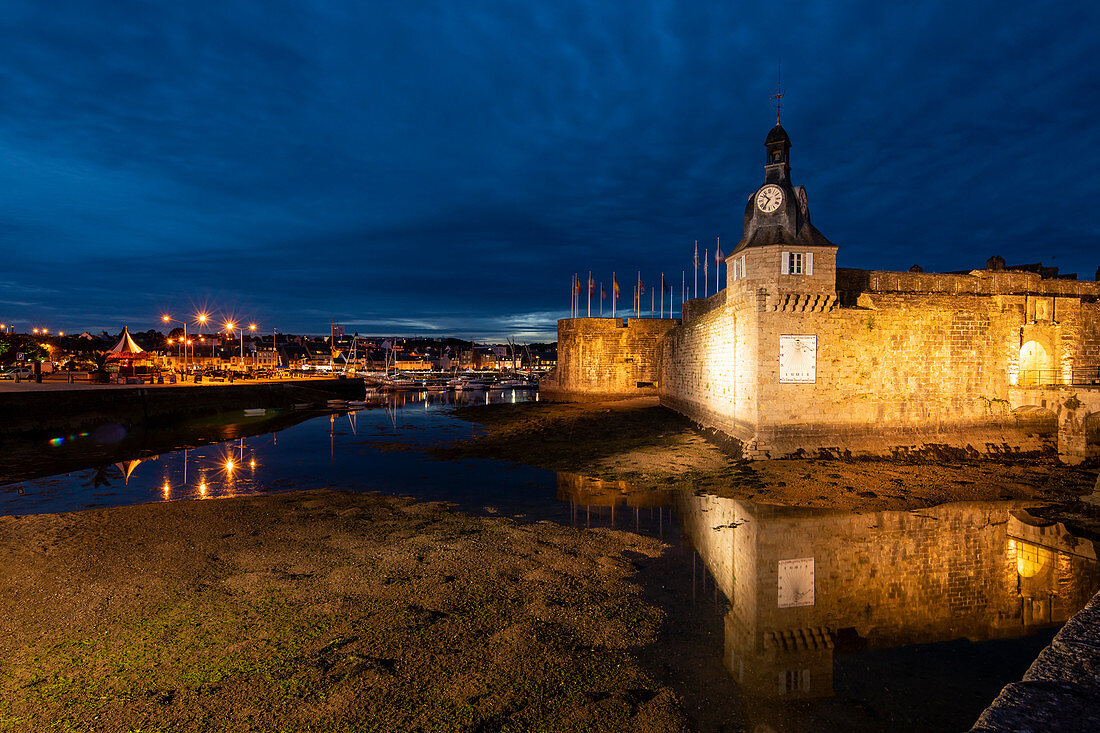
(709, 372)
(601, 358)
(905, 361)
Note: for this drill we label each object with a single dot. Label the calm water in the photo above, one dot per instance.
(817, 620)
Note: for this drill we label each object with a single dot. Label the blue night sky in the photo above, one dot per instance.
(445, 167)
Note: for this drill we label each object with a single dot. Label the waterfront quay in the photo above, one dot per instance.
(30, 407)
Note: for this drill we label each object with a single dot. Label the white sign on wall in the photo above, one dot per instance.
(797, 359)
(796, 582)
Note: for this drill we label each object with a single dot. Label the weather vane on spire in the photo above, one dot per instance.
(778, 96)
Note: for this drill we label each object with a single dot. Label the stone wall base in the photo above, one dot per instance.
(994, 437)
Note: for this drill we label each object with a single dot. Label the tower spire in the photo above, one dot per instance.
(778, 96)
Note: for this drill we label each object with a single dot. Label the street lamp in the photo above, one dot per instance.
(230, 327)
(252, 328)
(166, 318)
(171, 341)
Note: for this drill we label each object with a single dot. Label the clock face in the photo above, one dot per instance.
(769, 198)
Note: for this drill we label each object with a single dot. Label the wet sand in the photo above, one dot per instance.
(642, 443)
(323, 611)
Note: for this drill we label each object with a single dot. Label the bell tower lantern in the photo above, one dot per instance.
(777, 167)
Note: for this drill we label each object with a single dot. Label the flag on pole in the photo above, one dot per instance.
(576, 295)
(662, 295)
(591, 287)
(614, 293)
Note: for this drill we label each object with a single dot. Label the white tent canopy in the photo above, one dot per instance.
(126, 345)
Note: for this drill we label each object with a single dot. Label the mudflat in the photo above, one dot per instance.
(650, 447)
(322, 611)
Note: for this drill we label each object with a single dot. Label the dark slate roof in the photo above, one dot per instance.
(762, 236)
(778, 134)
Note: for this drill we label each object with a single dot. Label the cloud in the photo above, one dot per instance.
(388, 163)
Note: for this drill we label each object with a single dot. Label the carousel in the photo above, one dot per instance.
(132, 360)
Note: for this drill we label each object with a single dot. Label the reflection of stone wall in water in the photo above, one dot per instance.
(881, 579)
(586, 491)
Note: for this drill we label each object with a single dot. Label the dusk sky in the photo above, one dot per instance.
(443, 168)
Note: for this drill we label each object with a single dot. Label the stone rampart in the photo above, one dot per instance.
(901, 373)
(697, 307)
(603, 358)
(709, 371)
(976, 282)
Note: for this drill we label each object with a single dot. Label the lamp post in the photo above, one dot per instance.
(230, 327)
(166, 318)
(202, 318)
(252, 328)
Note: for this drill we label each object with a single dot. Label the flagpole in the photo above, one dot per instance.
(614, 293)
(662, 295)
(602, 296)
(718, 264)
(706, 273)
(589, 293)
(695, 261)
(683, 291)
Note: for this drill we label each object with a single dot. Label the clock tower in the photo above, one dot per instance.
(780, 250)
(778, 213)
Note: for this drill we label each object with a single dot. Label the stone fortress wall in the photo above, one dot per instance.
(607, 358)
(904, 360)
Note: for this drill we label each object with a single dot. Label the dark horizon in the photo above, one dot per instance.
(436, 172)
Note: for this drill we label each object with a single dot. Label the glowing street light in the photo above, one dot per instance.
(230, 326)
(168, 319)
